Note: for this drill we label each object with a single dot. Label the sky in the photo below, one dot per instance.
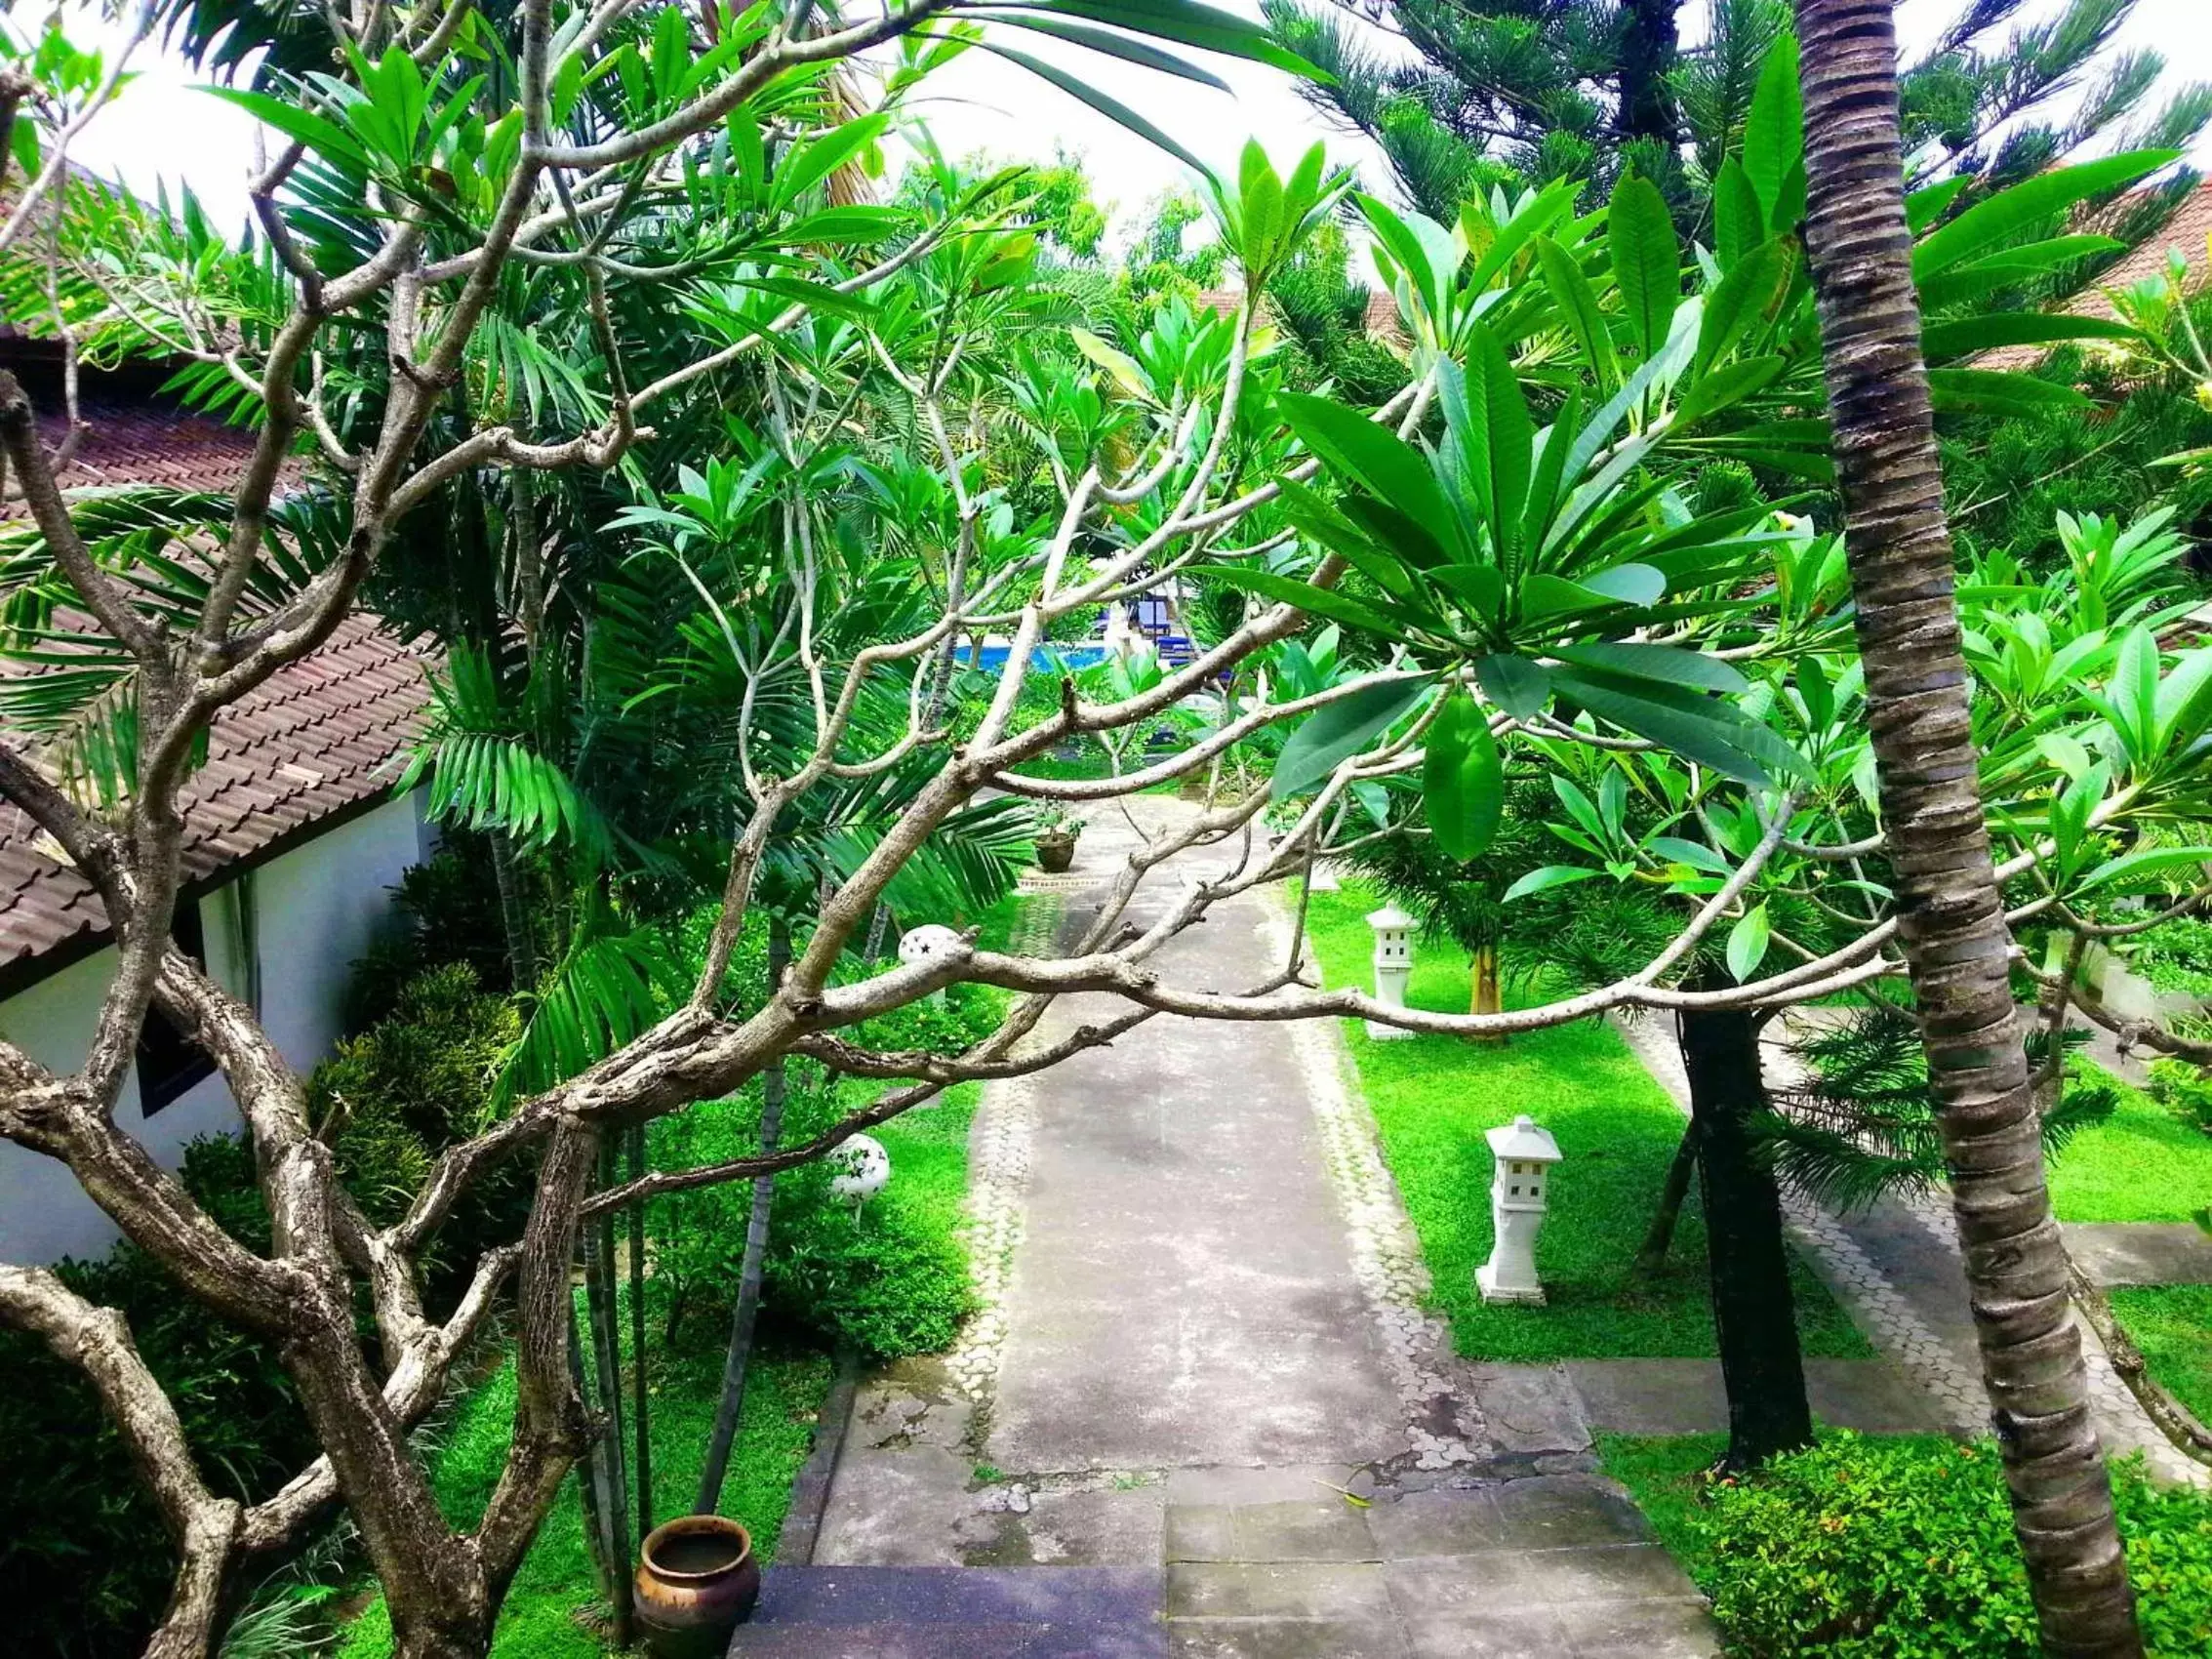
(163, 130)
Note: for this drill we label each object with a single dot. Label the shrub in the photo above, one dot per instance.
(892, 1280)
(2184, 1089)
(1877, 1549)
(444, 909)
(85, 1565)
(389, 1101)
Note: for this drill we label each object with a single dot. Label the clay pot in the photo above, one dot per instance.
(1055, 853)
(696, 1581)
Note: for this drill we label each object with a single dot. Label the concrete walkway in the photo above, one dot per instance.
(1204, 1368)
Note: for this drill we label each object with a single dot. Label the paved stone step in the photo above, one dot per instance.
(956, 1614)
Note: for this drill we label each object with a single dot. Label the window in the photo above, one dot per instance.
(169, 1062)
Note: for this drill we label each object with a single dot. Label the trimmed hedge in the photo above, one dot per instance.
(1900, 1547)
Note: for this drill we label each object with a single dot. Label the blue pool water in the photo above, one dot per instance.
(1045, 659)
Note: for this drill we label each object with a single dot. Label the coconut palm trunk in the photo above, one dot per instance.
(1951, 916)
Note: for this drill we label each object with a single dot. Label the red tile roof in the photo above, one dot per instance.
(2185, 234)
(311, 743)
(309, 747)
(132, 441)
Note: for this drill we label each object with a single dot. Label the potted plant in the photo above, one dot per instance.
(1056, 837)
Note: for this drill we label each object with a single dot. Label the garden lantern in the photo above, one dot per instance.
(1323, 878)
(922, 945)
(864, 1169)
(1523, 1156)
(1394, 965)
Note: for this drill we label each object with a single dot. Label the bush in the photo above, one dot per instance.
(2185, 1090)
(85, 1563)
(445, 909)
(389, 1101)
(1880, 1549)
(891, 1281)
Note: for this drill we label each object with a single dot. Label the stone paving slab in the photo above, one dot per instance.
(2141, 1252)
(955, 1613)
(1686, 1396)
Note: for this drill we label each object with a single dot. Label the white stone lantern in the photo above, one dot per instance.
(925, 943)
(1522, 1156)
(1394, 965)
(1325, 879)
(864, 1169)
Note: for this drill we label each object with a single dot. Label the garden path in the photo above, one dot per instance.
(1203, 1410)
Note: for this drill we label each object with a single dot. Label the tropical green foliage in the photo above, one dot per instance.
(1898, 1548)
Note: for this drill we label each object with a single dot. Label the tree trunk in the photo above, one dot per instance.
(1658, 1237)
(747, 1311)
(1650, 41)
(1951, 914)
(641, 1409)
(1752, 1315)
(612, 1457)
(1485, 996)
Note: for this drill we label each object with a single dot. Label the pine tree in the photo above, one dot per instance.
(1459, 93)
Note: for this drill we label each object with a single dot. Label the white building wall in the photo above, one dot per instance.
(313, 911)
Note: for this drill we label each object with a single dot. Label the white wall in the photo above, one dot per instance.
(313, 911)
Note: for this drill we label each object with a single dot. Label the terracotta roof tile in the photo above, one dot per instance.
(129, 441)
(2185, 234)
(255, 789)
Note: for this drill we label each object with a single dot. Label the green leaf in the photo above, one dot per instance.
(1315, 601)
(324, 136)
(1647, 262)
(1748, 943)
(1463, 786)
(1747, 295)
(2013, 267)
(2028, 205)
(1516, 684)
(1337, 731)
(1366, 452)
(1479, 584)
(1726, 386)
(1579, 309)
(1964, 336)
(1669, 665)
(1188, 24)
(1774, 131)
(1112, 108)
(1102, 41)
(2132, 869)
(1993, 391)
(1695, 854)
(1551, 875)
(1738, 221)
(1486, 412)
(1126, 372)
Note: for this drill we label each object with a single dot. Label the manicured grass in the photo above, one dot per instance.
(2172, 1324)
(1433, 1098)
(2142, 1163)
(554, 1608)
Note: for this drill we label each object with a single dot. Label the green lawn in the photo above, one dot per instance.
(555, 1594)
(2142, 1163)
(1433, 1098)
(2172, 1324)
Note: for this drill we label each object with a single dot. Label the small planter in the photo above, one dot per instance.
(1056, 851)
(696, 1581)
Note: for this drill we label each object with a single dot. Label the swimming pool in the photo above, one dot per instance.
(1045, 659)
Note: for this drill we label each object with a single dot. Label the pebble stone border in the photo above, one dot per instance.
(2120, 1418)
(1386, 1255)
(998, 1180)
(1874, 1304)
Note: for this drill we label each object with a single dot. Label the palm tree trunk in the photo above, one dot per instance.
(1950, 913)
(1485, 994)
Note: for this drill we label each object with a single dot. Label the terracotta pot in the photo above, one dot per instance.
(697, 1581)
(1055, 853)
